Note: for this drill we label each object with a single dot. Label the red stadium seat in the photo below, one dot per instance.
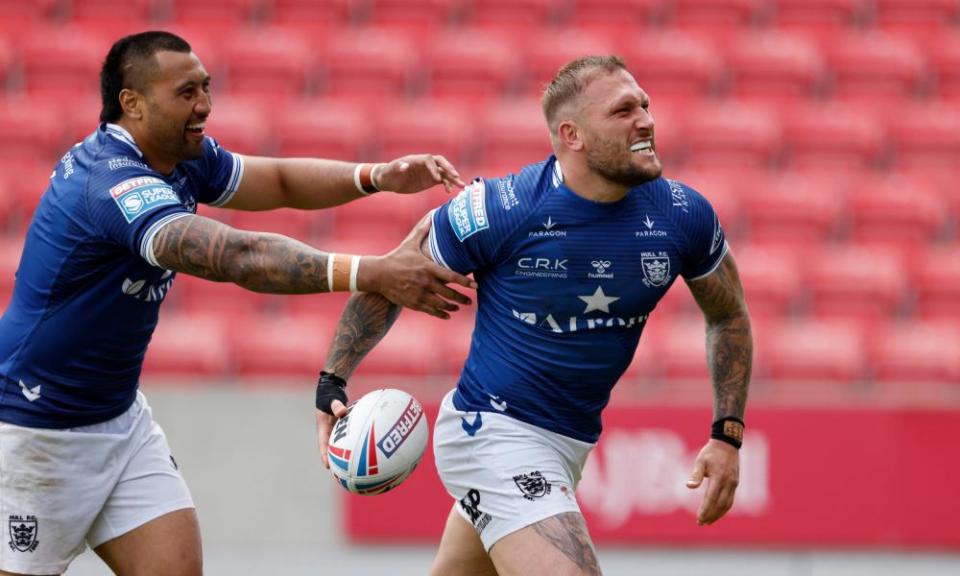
(384, 219)
(19, 18)
(513, 131)
(795, 209)
(674, 68)
(297, 224)
(832, 136)
(518, 16)
(917, 351)
(925, 136)
(219, 17)
(113, 19)
(731, 135)
(935, 279)
(411, 348)
(771, 279)
(723, 189)
(188, 345)
(547, 51)
(814, 351)
(820, 18)
(30, 133)
(943, 53)
(312, 15)
(717, 18)
(333, 129)
(775, 67)
(11, 246)
(269, 63)
(471, 66)
(438, 127)
(71, 65)
(369, 64)
(196, 295)
(26, 181)
(240, 126)
(620, 18)
(415, 16)
(917, 16)
(281, 345)
(874, 67)
(855, 282)
(682, 348)
(895, 212)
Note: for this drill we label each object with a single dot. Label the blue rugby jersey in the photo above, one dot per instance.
(87, 292)
(565, 287)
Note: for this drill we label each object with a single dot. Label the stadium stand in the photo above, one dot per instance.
(825, 132)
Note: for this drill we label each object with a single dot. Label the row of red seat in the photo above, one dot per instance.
(706, 134)
(792, 350)
(473, 63)
(804, 13)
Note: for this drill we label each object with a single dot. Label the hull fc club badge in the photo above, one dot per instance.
(533, 485)
(23, 533)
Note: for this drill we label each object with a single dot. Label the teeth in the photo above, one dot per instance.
(198, 126)
(642, 145)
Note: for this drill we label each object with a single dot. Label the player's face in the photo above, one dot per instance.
(618, 129)
(177, 105)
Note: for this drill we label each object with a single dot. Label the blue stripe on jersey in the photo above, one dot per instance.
(88, 291)
(566, 286)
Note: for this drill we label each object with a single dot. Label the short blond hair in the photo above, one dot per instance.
(570, 81)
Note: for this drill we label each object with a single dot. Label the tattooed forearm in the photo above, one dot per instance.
(729, 338)
(568, 533)
(260, 262)
(366, 319)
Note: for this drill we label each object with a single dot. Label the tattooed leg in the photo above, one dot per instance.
(557, 546)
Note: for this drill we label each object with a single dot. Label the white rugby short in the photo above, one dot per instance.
(507, 474)
(61, 490)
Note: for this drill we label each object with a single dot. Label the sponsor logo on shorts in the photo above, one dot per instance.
(468, 211)
(401, 429)
(532, 485)
(471, 505)
(471, 428)
(137, 196)
(23, 533)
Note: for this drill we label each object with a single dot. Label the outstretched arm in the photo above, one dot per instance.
(310, 184)
(365, 321)
(276, 264)
(729, 357)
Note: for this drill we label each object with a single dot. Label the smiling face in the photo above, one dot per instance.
(172, 110)
(616, 129)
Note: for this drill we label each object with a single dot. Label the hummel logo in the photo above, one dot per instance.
(549, 224)
(30, 394)
(648, 223)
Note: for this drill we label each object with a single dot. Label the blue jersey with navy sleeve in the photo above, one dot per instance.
(88, 291)
(565, 287)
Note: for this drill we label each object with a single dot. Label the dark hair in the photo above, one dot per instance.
(570, 82)
(127, 66)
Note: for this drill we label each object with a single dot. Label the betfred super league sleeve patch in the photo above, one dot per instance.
(468, 210)
(137, 196)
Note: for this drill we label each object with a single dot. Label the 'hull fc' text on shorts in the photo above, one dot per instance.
(61, 490)
(505, 474)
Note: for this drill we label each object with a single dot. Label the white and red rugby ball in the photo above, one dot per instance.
(379, 442)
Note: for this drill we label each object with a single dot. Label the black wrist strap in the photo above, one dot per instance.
(330, 387)
(729, 430)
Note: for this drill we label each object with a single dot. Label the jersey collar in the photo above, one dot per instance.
(121, 134)
(557, 173)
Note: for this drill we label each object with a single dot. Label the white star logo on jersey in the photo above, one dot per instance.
(30, 394)
(598, 301)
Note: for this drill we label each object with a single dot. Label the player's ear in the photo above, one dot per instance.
(132, 103)
(570, 135)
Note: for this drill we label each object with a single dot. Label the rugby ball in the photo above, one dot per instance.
(379, 442)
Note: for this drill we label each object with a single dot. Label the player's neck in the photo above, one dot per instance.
(588, 184)
(151, 156)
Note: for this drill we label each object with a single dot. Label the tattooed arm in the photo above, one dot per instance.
(276, 264)
(730, 357)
